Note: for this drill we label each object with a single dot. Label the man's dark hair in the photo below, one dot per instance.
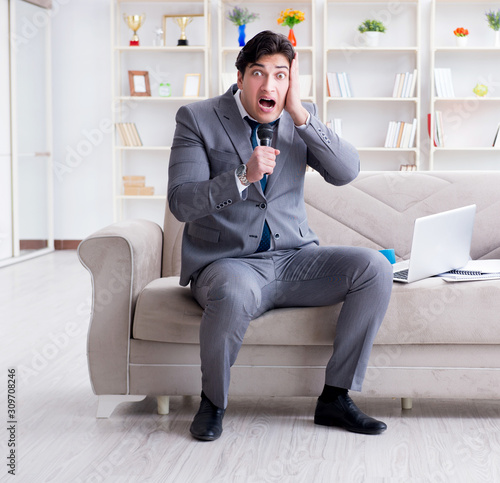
(264, 43)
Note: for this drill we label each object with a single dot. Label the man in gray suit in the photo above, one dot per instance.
(246, 240)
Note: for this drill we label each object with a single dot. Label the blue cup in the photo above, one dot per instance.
(389, 254)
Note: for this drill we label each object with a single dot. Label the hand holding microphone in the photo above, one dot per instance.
(263, 159)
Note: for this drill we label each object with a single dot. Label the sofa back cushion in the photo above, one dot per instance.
(378, 210)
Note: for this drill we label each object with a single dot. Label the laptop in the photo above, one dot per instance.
(441, 242)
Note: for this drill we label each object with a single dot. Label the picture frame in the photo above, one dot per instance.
(139, 83)
(192, 85)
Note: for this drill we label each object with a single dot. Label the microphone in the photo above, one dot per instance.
(265, 133)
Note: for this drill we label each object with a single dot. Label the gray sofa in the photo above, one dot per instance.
(438, 339)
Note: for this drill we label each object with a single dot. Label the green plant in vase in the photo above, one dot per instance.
(493, 19)
(240, 17)
(371, 31)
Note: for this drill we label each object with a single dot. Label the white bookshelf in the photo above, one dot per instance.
(154, 116)
(469, 122)
(268, 11)
(366, 115)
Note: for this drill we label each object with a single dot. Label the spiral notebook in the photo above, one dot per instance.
(474, 270)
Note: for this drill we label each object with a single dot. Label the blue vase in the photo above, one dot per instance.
(241, 36)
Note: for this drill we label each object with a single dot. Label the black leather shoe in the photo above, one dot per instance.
(207, 424)
(345, 414)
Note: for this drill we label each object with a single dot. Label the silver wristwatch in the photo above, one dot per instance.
(241, 172)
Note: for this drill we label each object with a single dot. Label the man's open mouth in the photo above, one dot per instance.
(267, 103)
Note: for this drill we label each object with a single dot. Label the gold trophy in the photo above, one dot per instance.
(134, 22)
(183, 22)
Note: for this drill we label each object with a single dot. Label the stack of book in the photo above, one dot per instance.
(129, 136)
(136, 186)
(401, 134)
(336, 126)
(404, 85)
(408, 167)
(444, 84)
(338, 84)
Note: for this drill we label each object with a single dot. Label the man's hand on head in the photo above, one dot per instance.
(293, 104)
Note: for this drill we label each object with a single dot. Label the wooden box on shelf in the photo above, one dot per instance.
(139, 190)
(136, 186)
(134, 181)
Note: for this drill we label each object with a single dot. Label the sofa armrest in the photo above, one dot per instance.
(122, 259)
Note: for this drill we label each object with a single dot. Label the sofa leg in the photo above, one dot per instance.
(107, 403)
(163, 404)
(406, 403)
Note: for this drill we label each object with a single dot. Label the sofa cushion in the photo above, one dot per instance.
(430, 311)
(166, 312)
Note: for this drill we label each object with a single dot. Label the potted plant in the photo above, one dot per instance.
(240, 17)
(290, 18)
(371, 31)
(461, 36)
(493, 19)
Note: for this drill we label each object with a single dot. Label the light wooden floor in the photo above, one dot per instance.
(45, 304)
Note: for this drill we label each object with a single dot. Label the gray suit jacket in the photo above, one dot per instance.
(211, 140)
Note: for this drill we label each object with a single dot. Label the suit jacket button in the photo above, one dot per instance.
(262, 206)
(277, 235)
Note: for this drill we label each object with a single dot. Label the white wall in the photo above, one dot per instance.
(81, 58)
(82, 108)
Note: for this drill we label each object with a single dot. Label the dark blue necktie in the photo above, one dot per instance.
(265, 239)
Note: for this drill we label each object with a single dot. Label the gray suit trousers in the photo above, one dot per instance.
(234, 291)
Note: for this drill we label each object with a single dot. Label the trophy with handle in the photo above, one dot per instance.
(134, 22)
(183, 22)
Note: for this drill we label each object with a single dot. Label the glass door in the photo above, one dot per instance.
(31, 124)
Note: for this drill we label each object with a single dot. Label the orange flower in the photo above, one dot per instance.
(290, 17)
(461, 32)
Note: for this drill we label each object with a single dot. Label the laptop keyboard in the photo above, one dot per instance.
(401, 275)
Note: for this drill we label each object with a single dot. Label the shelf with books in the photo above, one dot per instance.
(268, 13)
(150, 81)
(464, 123)
(393, 67)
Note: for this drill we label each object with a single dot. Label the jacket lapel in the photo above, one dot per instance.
(229, 116)
(286, 131)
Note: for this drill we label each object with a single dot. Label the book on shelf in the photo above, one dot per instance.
(443, 82)
(404, 84)
(408, 167)
(338, 84)
(496, 139)
(439, 129)
(128, 134)
(336, 126)
(401, 134)
(438, 137)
